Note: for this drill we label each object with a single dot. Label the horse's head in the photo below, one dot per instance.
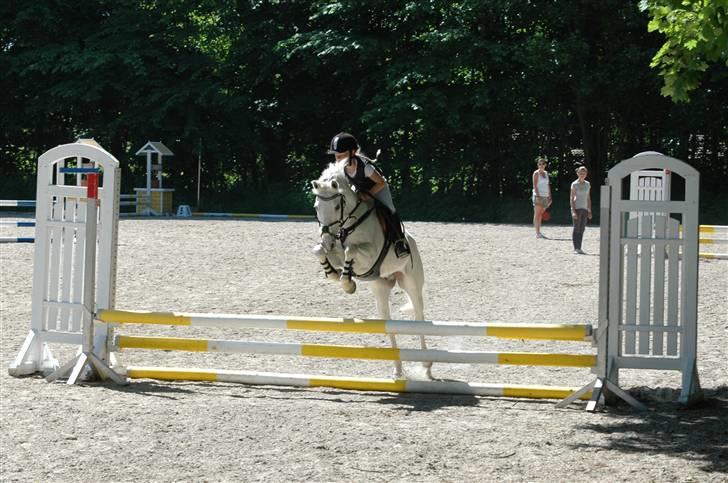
(334, 202)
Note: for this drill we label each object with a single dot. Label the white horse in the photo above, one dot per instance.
(354, 246)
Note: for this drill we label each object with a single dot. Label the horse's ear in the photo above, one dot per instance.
(334, 184)
(316, 185)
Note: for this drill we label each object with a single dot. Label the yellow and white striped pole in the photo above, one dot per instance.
(574, 332)
(353, 383)
(714, 256)
(720, 230)
(355, 352)
(713, 229)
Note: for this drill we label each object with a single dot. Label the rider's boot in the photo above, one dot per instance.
(401, 247)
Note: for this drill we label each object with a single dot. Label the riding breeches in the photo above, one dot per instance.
(384, 196)
(394, 222)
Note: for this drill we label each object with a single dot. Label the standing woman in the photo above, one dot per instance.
(368, 181)
(581, 209)
(541, 194)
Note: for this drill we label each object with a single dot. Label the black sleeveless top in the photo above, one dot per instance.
(360, 181)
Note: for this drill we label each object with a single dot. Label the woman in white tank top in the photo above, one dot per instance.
(541, 194)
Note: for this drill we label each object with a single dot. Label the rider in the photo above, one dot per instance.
(368, 181)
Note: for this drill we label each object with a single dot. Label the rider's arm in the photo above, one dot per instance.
(379, 180)
(535, 182)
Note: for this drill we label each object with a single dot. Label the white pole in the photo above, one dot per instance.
(159, 183)
(149, 183)
(159, 173)
(199, 173)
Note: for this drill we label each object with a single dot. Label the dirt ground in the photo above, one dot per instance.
(160, 431)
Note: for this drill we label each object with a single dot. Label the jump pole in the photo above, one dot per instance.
(17, 203)
(17, 239)
(18, 223)
(351, 383)
(354, 352)
(564, 332)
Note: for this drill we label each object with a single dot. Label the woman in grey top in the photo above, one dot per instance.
(581, 209)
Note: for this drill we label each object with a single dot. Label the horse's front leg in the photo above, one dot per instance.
(347, 273)
(330, 271)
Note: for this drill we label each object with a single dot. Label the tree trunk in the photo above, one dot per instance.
(274, 158)
(594, 132)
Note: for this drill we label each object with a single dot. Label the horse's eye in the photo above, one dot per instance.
(337, 206)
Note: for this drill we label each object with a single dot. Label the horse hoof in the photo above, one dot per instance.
(427, 366)
(349, 288)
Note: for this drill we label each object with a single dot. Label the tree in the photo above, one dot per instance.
(696, 34)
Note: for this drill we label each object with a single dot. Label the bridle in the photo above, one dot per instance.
(326, 228)
(343, 231)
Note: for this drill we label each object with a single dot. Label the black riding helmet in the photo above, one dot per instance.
(342, 143)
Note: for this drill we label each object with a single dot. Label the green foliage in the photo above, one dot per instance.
(460, 96)
(696, 33)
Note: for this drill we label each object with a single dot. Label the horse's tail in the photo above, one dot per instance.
(418, 273)
(417, 269)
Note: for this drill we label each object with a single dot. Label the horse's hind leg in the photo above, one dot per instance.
(413, 287)
(381, 289)
(427, 364)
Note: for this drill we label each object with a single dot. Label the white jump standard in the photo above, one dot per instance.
(57, 312)
(86, 358)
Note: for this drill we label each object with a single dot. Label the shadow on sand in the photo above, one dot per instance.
(696, 434)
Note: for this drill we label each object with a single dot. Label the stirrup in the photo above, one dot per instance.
(401, 249)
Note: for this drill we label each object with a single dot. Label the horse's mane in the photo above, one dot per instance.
(335, 171)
